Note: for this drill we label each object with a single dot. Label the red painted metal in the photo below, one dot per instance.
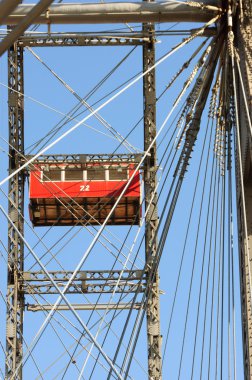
(81, 189)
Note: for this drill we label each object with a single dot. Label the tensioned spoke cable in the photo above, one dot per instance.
(231, 265)
(211, 114)
(197, 236)
(207, 290)
(187, 232)
(102, 319)
(219, 287)
(184, 248)
(232, 277)
(223, 247)
(215, 236)
(229, 242)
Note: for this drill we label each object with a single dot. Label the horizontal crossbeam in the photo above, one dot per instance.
(107, 13)
(121, 306)
(84, 158)
(85, 282)
(72, 39)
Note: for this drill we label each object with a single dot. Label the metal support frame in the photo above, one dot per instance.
(77, 39)
(86, 158)
(150, 182)
(15, 298)
(102, 281)
(244, 45)
(244, 275)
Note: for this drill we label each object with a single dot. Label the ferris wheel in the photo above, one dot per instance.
(126, 190)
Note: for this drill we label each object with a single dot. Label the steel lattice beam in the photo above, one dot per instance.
(81, 40)
(85, 282)
(86, 158)
(150, 183)
(243, 41)
(15, 299)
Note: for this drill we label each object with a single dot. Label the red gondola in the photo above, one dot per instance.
(79, 193)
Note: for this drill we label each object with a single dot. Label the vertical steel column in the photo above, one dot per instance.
(150, 181)
(246, 270)
(244, 45)
(15, 299)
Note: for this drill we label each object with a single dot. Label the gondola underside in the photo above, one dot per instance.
(84, 211)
